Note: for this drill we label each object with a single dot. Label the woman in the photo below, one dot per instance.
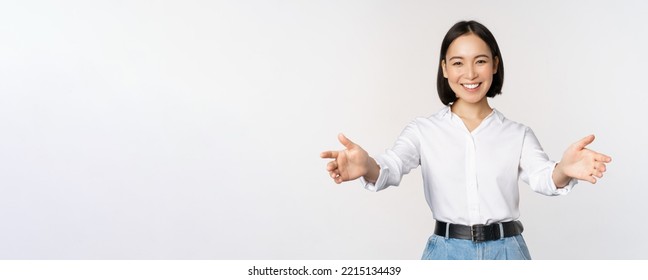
(471, 157)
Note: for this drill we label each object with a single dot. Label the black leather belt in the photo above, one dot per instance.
(479, 233)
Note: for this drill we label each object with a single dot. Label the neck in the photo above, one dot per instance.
(465, 110)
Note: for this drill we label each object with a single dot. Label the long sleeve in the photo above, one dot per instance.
(469, 177)
(399, 160)
(536, 169)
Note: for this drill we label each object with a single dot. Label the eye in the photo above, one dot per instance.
(457, 63)
(481, 61)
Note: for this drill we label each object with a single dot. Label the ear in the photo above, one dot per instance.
(443, 67)
(496, 65)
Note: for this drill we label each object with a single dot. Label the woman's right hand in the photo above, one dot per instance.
(350, 163)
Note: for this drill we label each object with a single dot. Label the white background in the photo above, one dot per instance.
(192, 129)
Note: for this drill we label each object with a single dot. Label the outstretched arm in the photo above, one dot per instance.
(580, 163)
(351, 163)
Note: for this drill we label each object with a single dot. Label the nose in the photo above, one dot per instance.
(471, 72)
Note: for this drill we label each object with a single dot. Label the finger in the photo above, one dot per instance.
(584, 142)
(331, 166)
(602, 157)
(600, 167)
(329, 154)
(334, 174)
(345, 141)
(597, 173)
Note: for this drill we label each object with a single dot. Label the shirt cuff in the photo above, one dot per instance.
(564, 190)
(380, 184)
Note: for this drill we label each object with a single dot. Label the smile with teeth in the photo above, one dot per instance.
(471, 86)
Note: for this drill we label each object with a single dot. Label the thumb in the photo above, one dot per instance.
(345, 141)
(584, 142)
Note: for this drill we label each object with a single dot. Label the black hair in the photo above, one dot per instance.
(461, 28)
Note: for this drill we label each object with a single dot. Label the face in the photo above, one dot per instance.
(469, 67)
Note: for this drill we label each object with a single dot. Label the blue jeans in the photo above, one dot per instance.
(509, 248)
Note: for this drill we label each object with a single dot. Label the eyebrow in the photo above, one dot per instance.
(460, 57)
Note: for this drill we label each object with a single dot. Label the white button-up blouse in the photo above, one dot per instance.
(469, 177)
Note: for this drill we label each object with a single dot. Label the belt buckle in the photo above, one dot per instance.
(477, 233)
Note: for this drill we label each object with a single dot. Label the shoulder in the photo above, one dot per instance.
(433, 122)
(510, 124)
(441, 115)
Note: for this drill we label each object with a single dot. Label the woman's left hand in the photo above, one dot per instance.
(580, 163)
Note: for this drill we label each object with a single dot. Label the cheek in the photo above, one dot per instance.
(487, 72)
(489, 78)
(454, 75)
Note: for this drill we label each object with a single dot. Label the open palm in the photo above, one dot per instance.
(348, 164)
(582, 163)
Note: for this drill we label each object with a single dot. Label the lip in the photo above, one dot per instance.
(471, 89)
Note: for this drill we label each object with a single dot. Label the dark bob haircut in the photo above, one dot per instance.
(461, 28)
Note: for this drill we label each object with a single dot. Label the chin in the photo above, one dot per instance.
(471, 98)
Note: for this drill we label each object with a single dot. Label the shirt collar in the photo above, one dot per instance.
(498, 116)
(446, 113)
